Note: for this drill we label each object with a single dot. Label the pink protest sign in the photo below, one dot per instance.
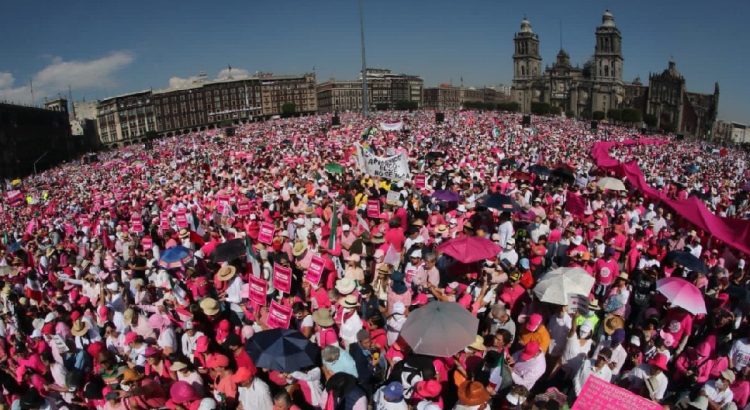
(136, 227)
(597, 394)
(373, 208)
(164, 224)
(419, 181)
(257, 288)
(279, 315)
(282, 278)
(181, 220)
(147, 243)
(243, 208)
(315, 270)
(265, 235)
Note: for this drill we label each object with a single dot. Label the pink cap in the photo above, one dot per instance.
(534, 321)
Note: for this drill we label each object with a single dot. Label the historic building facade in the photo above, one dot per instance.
(598, 85)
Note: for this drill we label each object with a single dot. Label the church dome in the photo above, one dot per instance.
(526, 26)
(608, 20)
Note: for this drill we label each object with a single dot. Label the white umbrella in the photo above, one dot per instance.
(612, 184)
(555, 286)
(440, 329)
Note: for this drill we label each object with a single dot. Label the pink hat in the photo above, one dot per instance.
(659, 361)
(151, 351)
(217, 360)
(130, 337)
(243, 374)
(182, 392)
(157, 321)
(530, 350)
(420, 299)
(534, 321)
(429, 388)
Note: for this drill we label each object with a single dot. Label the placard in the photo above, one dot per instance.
(243, 208)
(420, 181)
(181, 220)
(147, 243)
(395, 167)
(279, 316)
(597, 394)
(373, 208)
(257, 290)
(136, 227)
(265, 235)
(315, 270)
(282, 278)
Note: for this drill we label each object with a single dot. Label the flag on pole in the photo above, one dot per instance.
(334, 225)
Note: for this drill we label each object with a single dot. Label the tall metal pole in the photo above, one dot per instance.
(365, 100)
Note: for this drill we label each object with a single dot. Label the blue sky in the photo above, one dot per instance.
(109, 47)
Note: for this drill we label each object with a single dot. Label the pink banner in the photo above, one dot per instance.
(282, 278)
(315, 270)
(257, 289)
(265, 235)
(373, 208)
(597, 394)
(181, 221)
(419, 181)
(279, 316)
(733, 232)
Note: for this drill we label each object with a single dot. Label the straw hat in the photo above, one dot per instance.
(350, 301)
(612, 323)
(226, 272)
(323, 317)
(184, 233)
(478, 344)
(209, 306)
(177, 366)
(345, 286)
(441, 229)
(80, 328)
(299, 248)
(130, 375)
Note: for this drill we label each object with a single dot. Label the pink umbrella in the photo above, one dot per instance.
(683, 294)
(470, 249)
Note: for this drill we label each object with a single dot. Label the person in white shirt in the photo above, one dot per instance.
(718, 392)
(598, 367)
(649, 378)
(189, 339)
(558, 327)
(252, 393)
(505, 230)
(619, 354)
(739, 355)
(509, 252)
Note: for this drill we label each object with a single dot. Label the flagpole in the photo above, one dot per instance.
(365, 100)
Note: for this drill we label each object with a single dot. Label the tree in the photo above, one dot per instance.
(508, 106)
(650, 120)
(614, 115)
(569, 114)
(288, 109)
(669, 128)
(631, 115)
(381, 106)
(598, 115)
(540, 108)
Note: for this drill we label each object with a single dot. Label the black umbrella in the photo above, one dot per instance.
(229, 250)
(563, 174)
(432, 155)
(508, 162)
(687, 260)
(539, 169)
(501, 203)
(284, 350)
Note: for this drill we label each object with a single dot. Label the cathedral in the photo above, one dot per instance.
(598, 85)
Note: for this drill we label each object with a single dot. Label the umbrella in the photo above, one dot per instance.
(612, 184)
(334, 168)
(557, 285)
(501, 203)
(687, 260)
(446, 196)
(284, 350)
(682, 293)
(508, 162)
(440, 329)
(229, 250)
(175, 257)
(564, 174)
(433, 155)
(468, 249)
(539, 169)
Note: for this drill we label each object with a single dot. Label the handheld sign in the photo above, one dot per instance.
(279, 316)
(265, 235)
(282, 278)
(373, 208)
(597, 394)
(315, 270)
(420, 181)
(257, 290)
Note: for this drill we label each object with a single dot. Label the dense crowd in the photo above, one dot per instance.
(165, 277)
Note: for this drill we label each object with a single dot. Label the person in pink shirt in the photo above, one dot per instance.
(395, 236)
(606, 270)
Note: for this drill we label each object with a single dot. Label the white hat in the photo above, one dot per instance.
(253, 217)
(346, 227)
(51, 316)
(299, 221)
(510, 241)
(578, 240)
(416, 254)
(635, 340)
(741, 263)
(113, 286)
(461, 208)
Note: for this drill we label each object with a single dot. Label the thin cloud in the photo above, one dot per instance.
(60, 74)
(236, 73)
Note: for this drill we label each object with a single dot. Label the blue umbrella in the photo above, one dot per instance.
(284, 350)
(175, 257)
(446, 196)
(686, 259)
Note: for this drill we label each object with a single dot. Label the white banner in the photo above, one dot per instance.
(391, 126)
(395, 167)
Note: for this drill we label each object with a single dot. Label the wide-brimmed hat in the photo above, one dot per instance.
(534, 321)
(299, 248)
(530, 350)
(226, 272)
(80, 328)
(478, 344)
(182, 392)
(345, 286)
(209, 306)
(472, 393)
(323, 317)
(130, 375)
(383, 269)
(612, 323)
(399, 287)
(177, 366)
(184, 233)
(350, 301)
(594, 304)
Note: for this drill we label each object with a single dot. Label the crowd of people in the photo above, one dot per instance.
(117, 291)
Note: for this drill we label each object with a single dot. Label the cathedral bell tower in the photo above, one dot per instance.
(608, 92)
(527, 65)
